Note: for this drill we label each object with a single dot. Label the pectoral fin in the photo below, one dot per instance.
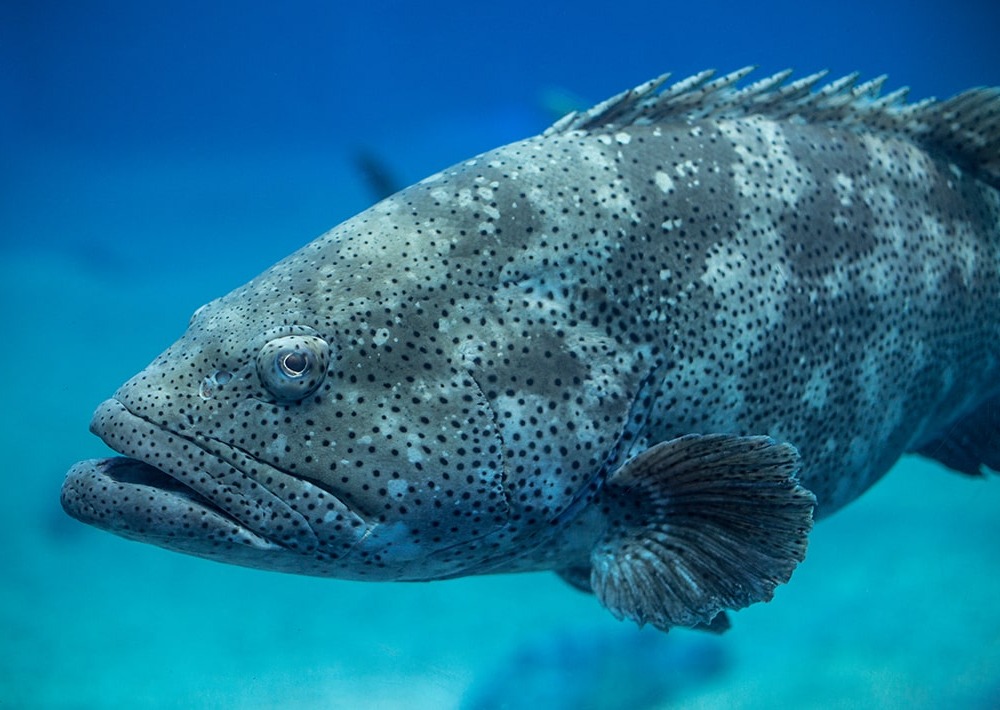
(700, 524)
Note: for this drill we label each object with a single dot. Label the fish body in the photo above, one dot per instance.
(644, 349)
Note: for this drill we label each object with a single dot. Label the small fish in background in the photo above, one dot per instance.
(376, 174)
(599, 669)
(557, 102)
(644, 349)
(99, 257)
(380, 179)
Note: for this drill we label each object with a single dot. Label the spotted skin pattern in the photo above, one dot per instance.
(469, 362)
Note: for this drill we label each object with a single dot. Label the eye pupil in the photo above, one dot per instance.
(294, 364)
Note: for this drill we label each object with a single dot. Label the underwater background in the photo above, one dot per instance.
(153, 156)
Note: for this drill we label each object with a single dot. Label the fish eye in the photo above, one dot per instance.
(292, 367)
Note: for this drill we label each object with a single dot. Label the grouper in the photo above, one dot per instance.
(645, 349)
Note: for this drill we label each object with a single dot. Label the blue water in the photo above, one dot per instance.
(156, 155)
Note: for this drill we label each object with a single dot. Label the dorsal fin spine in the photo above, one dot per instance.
(964, 129)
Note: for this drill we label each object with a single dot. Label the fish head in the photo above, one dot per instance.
(312, 421)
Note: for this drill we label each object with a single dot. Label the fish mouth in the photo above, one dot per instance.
(198, 495)
(138, 501)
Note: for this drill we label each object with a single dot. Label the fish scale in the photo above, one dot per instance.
(644, 349)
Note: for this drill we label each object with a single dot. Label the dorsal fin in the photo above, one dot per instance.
(965, 128)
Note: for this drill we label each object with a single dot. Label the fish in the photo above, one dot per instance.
(600, 669)
(645, 349)
(375, 173)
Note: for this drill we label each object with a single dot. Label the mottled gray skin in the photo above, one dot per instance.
(507, 333)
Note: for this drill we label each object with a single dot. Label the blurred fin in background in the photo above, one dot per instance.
(599, 669)
(378, 177)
